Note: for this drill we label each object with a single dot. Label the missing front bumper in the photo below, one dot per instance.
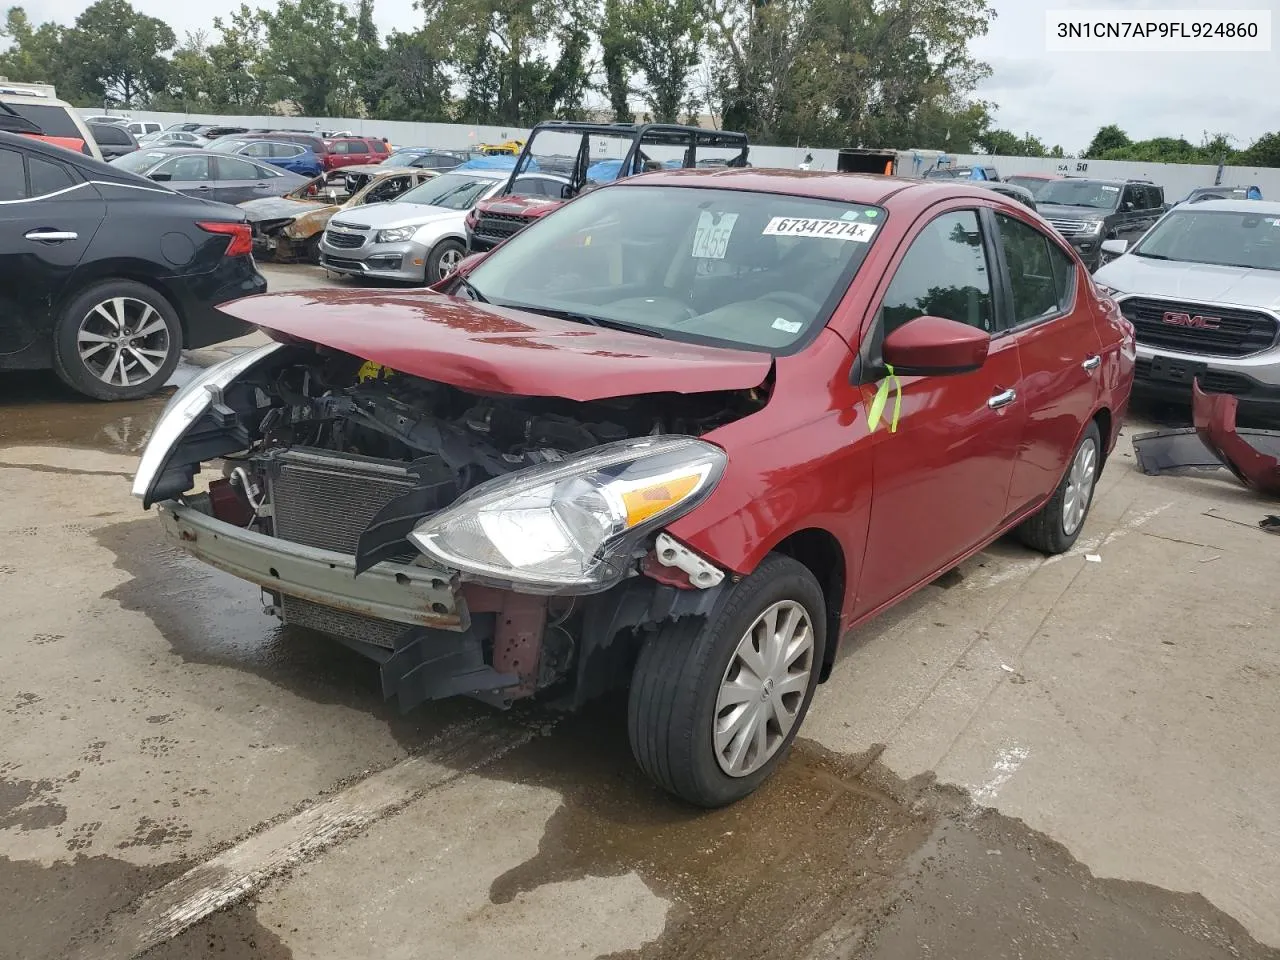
(407, 593)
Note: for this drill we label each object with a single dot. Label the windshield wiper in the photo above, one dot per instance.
(470, 287)
(590, 320)
(1151, 256)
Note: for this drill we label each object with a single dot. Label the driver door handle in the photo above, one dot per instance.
(51, 236)
(1004, 398)
(1092, 362)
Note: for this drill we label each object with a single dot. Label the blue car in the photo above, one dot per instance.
(294, 157)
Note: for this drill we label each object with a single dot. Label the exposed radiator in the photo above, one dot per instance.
(340, 623)
(327, 500)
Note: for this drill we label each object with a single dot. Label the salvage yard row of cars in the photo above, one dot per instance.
(670, 437)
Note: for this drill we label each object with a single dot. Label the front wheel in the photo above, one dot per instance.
(716, 702)
(118, 340)
(1055, 528)
(444, 259)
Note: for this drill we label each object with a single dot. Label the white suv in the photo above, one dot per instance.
(38, 103)
(1202, 290)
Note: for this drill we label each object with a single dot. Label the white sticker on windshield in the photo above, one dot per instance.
(827, 229)
(1106, 189)
(787, 326)
(712, 239)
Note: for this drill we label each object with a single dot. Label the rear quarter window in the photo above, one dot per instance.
(48, 177)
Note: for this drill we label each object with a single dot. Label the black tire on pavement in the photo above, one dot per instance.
(678, 678)
(1047, 530)
(85, 350)
(441, 254)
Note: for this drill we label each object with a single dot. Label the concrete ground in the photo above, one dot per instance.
(1031, 758)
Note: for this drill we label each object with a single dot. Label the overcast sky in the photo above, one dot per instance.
(1062, 98)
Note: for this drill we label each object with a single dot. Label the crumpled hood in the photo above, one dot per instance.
(517, 205)
(387, 216)
(1170, 279)
(277, 208)
(489, 349)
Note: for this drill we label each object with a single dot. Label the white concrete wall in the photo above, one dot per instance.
(1177, 179)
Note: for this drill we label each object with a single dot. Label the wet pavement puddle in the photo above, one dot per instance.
(833, 858)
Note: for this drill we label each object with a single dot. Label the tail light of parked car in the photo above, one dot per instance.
(241, 235)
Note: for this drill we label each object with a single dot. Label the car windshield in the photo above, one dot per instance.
(1221, 237)
(1080, 193)
(1035, 184)
(725, 267)
(453, 191)
(140, 161)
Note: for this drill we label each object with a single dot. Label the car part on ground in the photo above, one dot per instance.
(637, 446)
(523, 200)
(1252, 456)
(288, 228)
(105, 277)
(1202, 290)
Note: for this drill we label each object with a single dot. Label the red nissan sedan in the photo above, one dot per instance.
(673, 443)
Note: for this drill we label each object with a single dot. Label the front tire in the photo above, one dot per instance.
(117, 340)
(715, 703)
(1055, 528)
(444, 259)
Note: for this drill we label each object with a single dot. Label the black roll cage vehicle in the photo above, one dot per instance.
(640, 135)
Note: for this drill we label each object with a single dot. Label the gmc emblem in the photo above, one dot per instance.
(1186, 320)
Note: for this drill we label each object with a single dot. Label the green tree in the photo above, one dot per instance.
(369, 59)
(240, 75)
(1263, 152)
(312, 47)
(35, 54)
(1108, 138)
(191, 75)
(664, 40)
(116, 54)
(615, 61)
(413, 78)
(1006, 143)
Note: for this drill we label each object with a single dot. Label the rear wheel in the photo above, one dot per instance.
(1058, 524)
(444, 259)
(118, 340)
(715, 703)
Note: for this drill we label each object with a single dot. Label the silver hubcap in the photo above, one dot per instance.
(123, 342)
(763, 689)
(1080, 479)
(449, 261)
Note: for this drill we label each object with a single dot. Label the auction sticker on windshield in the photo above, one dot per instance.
(712, 238)
(828, 229)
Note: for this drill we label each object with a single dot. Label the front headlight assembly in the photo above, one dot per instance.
(183, 409)
(573, 526)
(396, 235)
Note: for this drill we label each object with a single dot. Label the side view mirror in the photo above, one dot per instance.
(160, 177)
(935, 347)
(1115, 247)
(1127, 206)
(566, 191)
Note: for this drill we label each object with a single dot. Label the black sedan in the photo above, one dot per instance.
(209, 175)
(105, 277)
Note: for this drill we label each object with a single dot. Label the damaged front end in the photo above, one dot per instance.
(491, 546)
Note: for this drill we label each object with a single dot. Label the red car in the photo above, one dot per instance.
(349, 151)
(679, 438)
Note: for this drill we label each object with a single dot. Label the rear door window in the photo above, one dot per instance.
(111, 134)
(355, 146)
(48, 177)
(189, 168)
(13, 178)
